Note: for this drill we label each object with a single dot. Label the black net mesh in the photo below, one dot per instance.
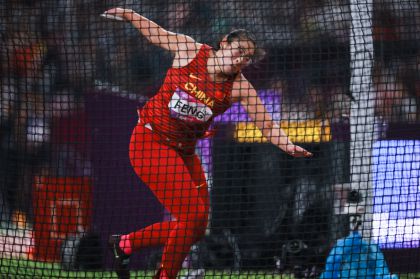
(113, 166)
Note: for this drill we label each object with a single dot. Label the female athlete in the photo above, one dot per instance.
(201, 84)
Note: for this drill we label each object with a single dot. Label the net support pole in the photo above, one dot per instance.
(362, 119)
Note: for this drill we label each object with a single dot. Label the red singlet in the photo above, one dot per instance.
(187, 102)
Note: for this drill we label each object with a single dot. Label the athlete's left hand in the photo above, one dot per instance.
(297, 151)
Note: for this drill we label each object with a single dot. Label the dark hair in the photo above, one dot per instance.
(243, 34)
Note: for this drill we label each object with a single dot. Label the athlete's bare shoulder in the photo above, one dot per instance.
(186, 54)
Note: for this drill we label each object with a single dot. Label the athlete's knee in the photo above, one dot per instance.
(195, 217)
(201, 215)
(200, 230)
(201, 225)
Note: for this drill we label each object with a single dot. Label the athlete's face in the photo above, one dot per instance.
(235, 56)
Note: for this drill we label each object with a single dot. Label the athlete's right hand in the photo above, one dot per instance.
(296, 151)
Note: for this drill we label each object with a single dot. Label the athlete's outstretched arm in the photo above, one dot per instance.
(244, 92)
(154, 33)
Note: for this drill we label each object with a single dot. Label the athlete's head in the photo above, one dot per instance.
(238, 49)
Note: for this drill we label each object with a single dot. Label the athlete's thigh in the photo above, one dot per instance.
(166, 174)
(195, 168)
(193, 163)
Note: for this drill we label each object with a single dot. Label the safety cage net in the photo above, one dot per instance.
(216, 139)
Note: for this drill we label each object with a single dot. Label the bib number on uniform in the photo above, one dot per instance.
(187, 108)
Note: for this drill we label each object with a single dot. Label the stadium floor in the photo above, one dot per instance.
(22, 268)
